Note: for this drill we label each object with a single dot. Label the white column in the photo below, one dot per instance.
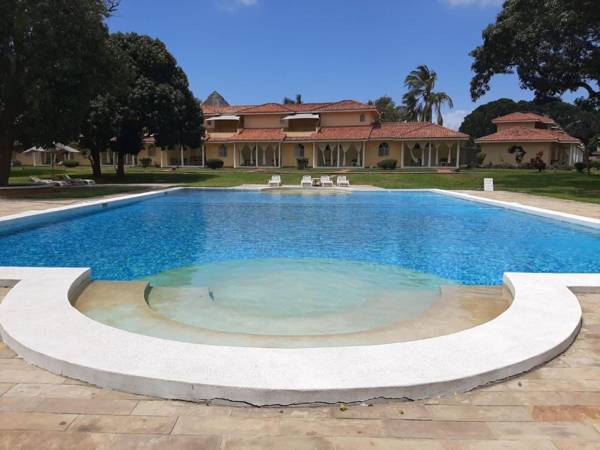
(202, 155)
(314, 156)
(402, 155)
(256, 155)
(279, 155)
(162, 164)
(337, 155)
(437, 156)
(429, 154)
(457, 154)
(181, 155)
(363, 154)
(235, 156)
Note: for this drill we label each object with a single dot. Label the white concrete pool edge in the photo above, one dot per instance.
(39, 323)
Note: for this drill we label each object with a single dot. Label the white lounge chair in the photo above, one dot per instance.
(306, 181)
(326, 181)
(342, 181)
(38, 180)
(275, 181)
(85, 181)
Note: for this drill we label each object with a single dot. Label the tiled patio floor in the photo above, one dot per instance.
(556, 406)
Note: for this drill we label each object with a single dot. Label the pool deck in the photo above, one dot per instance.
(556, 406)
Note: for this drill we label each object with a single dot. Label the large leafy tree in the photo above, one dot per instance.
(388, 110)
(51, 65)
(421, 101)
(554, 46)
(157, 100)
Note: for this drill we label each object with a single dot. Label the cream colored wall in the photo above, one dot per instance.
(288, 154)
(212, 152)
(372, 153)
(263, 121)
(341, 119)
(503, 126)
(497, 153)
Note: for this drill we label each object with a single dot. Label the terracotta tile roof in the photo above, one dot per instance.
(357, 133)
(517, 117)
(280, 108)
(414, 130)
(346, 105)
(521, 134)
(258, 135)
(266, 108)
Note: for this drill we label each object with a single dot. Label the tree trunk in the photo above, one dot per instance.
(120, 165)
(96, 166)
(6, 150)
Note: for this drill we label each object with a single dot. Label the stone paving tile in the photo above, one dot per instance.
(353, 443)
(499, 445)
(178, 408)
(298, 413)
(332, 427)
(573, 444)
(469, 413)
(438, 429)
(32, 375)
(17, 404)
(123, 424)
(68, 391)
(543, 430)
(34, 421)
(84, 406)
(44, 440)
(565, 413)
(278, 443)
(402, 410)
(222, 424)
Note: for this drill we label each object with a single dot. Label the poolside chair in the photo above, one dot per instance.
(275, 181)
(38, 180)
(306, 181)
(80, 181)
(326, 181)
(342, 181)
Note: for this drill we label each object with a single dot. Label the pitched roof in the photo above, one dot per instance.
(519, 117)
(521, 134)
(281, 108)
(352, 133)
(414, 130)
(252, 135)
(215, 99)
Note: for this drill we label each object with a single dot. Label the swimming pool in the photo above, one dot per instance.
(432, 234)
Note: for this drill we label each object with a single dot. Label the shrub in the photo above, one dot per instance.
(580, 166)
(387, 164)
(537, 162)
(70, 163)
(145, 162)
(301, 163)
(16, 163)
(214, 163)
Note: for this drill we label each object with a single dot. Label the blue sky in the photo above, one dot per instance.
(256, 51)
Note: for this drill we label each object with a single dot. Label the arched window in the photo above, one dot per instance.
(384, 149)
(299, 150)
(362, 118)
(222, 151)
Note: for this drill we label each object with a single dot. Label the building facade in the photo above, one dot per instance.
(522, 136)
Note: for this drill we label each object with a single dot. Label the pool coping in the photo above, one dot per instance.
(417, 369)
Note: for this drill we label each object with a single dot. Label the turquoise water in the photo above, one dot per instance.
(448, 238)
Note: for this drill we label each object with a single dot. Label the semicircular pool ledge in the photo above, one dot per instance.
(38, 321)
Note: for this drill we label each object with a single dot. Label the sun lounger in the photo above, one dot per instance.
(275, 181)
(326, 181)
(85, 181)
(343, 181)
(38, 180)
(306, 181)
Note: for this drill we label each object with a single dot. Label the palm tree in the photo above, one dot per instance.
(421, 101)
(289, 101)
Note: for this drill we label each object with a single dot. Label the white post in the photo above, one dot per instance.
(337, 155)
(279, 155)
(235, 156)
(256, 158)
(314, 164)
(181, 155)
(161, 158)
(457, 154)
(429, 154)
(363, 153)
(402, 155)
(202, 157)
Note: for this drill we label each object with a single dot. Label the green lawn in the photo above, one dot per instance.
(560, 184)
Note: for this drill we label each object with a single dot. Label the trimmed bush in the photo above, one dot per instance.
(145, 162)
(70, 163)
(214, 163)
(301, 163)
(387, 164)
(580, 166)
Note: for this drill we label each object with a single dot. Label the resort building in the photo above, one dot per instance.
(522, 136)
(341, 134)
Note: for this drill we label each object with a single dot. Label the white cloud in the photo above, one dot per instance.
(479, 3)
(234, 5)
(454, 119)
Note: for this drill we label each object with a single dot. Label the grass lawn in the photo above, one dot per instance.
(561, 184)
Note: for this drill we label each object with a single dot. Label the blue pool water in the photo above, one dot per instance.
(447, 238)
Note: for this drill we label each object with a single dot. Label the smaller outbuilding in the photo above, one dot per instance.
(521, 137)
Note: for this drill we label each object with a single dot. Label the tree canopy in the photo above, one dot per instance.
(51, 66)
(554, 46)
(421, 101)
(388, 110)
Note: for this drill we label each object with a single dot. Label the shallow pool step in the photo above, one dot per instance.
(165, 293)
